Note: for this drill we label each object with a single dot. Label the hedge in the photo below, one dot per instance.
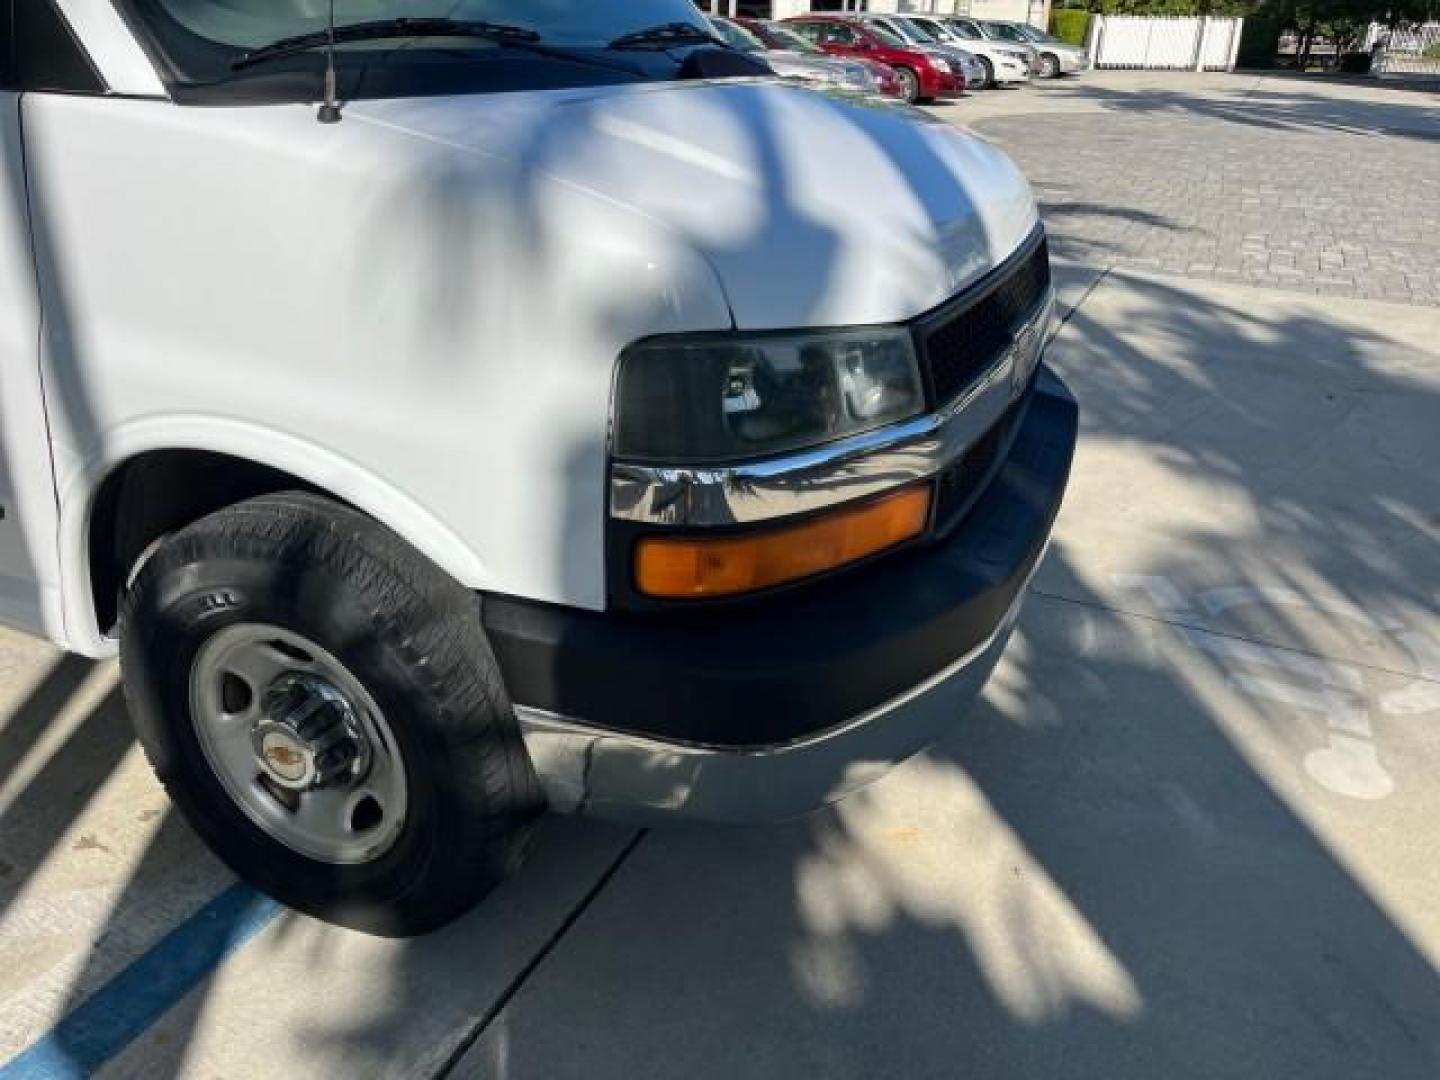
(1070, 24)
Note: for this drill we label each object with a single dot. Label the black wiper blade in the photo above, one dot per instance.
(666, 35)
(379, 29)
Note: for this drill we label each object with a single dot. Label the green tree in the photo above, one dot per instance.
(1344, 22)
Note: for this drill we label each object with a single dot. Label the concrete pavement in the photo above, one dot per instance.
(1187, 833)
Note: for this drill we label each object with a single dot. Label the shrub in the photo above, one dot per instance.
(1070, 25)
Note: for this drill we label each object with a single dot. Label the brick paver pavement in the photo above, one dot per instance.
(1325, 188)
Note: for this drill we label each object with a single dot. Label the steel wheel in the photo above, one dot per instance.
(909, 85)
(1049, 66)
(298, 743)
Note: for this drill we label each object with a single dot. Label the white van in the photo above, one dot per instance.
(481, 406)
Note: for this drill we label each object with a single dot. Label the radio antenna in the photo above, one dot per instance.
(330, 108)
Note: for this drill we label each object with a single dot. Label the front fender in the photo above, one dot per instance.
(314, 464)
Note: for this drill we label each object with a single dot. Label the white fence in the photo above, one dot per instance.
(1404, 50)
(1164, 44)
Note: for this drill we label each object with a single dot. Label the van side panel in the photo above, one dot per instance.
(29, 568)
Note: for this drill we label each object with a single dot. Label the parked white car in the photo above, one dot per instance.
(1005, 61)
(1054, 56)
(480, 407)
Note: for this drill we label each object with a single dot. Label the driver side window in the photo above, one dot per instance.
(966, 30)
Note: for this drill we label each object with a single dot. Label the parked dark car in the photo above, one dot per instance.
(922, 76)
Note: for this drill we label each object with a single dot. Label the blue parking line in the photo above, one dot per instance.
(121, 1010)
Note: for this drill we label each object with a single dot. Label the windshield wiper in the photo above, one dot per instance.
(665, 36)
(378, 29)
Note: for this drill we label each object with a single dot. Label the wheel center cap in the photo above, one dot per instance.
(310, 735)
(285, 758)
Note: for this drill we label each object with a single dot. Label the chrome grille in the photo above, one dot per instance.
(963, 340)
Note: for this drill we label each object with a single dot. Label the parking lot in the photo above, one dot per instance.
(1187, 833)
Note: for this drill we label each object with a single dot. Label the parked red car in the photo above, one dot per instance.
(922, 77)
(777, 36)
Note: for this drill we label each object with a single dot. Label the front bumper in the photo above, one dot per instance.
(946, 86)
(1069, 61)
(1011, 71)
(766, 710)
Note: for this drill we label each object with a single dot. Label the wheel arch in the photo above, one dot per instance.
(161, 476)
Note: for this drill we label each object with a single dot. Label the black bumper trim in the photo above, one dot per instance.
(779, 668)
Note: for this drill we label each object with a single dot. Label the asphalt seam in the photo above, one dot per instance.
(1181, 624)
(532, 965)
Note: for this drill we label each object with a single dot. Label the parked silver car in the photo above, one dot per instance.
(819, 69)
(917, 37)
(1056, 55)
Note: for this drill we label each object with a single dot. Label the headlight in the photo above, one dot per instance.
(940, 64)
(1020, 56)
(702, 400)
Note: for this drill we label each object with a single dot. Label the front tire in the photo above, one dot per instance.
(321, 703)
(909, 85)
(989, 83)
(1049, 65)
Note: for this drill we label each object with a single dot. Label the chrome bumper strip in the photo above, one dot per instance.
(847, 469)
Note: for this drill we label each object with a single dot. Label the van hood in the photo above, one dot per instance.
(813, 209)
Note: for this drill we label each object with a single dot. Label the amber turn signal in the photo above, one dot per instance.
(697, 567)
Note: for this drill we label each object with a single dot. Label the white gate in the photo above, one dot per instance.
(1164, 44)
(1405, 50)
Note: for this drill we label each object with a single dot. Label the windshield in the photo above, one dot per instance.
(1031, 34)
(782, 37)
(885, 34)
(926, 30)
(1005, 32)
(197, 41)
(736, 36)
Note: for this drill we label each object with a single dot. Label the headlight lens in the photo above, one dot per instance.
(940, 64)
(705, 400)
(1020, 56)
